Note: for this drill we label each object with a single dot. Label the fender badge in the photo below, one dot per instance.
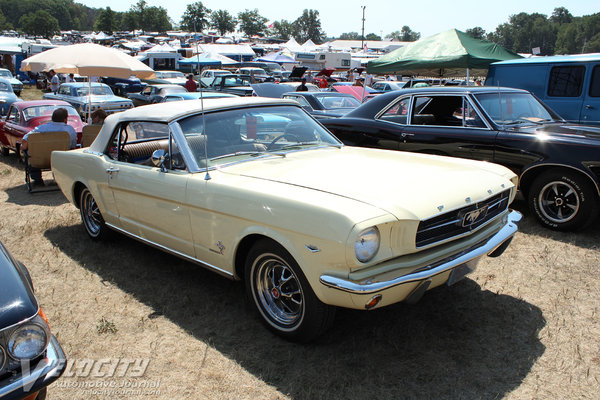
(221, 248)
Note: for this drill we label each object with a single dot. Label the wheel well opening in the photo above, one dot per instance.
(527, 179)
(77, 192)
(242, 253)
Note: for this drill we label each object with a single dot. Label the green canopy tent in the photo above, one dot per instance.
(449, 53)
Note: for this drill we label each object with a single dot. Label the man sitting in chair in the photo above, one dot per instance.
(60, 116)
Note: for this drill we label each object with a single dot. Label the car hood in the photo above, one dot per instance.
(17, 302)
(407, 185)
(563, 131)
(102, 99)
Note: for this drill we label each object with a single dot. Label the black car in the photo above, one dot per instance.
(30, 356)
(558, 163)
(154, 93)
(123, 86)
(323, 105)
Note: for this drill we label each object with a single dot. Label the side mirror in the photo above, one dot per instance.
(158, 159)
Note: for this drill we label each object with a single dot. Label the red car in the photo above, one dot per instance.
(24, 116)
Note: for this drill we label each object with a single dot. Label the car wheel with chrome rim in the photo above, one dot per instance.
(563, 200)
(91, 217)
(282, 296)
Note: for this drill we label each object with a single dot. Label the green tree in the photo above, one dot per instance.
(4, 24)
(282, 30)
(158, 19)
(222, 21)
(106, 21)
(195, 17)
(404, 35)
(477, 32)
(252, 23)
(350, 36)
(308, 26)
(561, 16)
(40, 23)
(582, 35)
(372, 36)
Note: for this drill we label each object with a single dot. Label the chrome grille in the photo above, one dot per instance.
(461, 221)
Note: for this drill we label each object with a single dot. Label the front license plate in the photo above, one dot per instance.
(461, 271)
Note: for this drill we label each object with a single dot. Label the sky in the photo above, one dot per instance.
(381, 16)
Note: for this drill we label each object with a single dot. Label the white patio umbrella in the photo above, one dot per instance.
(88, 59)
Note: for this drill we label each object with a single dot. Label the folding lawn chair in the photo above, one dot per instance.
(40, 146)
(89, 134)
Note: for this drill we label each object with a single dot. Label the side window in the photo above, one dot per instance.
(469, 116)
(438, 111)
(13, 115)
(398, 112)
(64, 90)
(566, 81)
(136, 141)
(595, 84)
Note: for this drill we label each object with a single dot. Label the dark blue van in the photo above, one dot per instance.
(570, 85)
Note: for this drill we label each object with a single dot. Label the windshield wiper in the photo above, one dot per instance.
(316, 144)
(246, 153)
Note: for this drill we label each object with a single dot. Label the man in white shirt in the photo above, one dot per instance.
(60, 117)
(54, 81)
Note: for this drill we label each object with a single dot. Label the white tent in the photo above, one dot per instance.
(162, 48)
(309, 45)
(293, 46)
(215, 56)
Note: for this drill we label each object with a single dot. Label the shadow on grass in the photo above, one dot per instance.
(458, 342)
(19, 195)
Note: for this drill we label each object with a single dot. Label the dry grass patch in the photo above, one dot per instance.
(524, 325)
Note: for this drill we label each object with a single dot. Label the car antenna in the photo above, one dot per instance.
(207, 176)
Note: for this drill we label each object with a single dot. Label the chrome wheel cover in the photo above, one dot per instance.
(559, 201)
(278, 290)
(90, 213)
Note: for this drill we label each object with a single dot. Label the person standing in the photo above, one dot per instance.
(190, 84)
(302, 87)
(54, 81)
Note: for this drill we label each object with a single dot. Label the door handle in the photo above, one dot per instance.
(111, 170)
(588, 107)
(404, 134)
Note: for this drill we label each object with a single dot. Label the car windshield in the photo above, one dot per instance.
(168, 75)
(5, 74)
(330, 102)
(237, 81)
(46, 111)
(4, 87)
(96, 90)
(515, 108)
(245, 134)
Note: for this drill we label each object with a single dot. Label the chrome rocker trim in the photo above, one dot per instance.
(47, 370)
(486, 247)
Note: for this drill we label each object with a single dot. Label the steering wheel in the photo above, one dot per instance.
(285, 135)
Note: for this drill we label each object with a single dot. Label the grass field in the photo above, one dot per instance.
(523, 326)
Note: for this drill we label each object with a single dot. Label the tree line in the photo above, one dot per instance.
(560, 33)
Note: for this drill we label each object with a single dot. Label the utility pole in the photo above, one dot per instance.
(362, 42)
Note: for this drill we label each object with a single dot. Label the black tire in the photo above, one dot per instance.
(91, 217)
(5, 151)
(282, 296)
(563, 201)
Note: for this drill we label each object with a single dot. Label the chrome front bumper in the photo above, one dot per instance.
(47, 370)
(492, 246)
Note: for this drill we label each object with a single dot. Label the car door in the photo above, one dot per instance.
(590, 111)
(12, 127)
(447, 124)
(150, 201)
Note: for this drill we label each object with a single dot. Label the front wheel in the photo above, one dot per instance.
(282, 296)
(563, 201)
(91, 217)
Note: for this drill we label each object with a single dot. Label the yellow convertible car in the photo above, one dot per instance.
(255, 189)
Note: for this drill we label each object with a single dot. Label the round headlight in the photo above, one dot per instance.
(27, 342)
(367, 244)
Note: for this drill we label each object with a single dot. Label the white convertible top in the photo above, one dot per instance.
(170, 111)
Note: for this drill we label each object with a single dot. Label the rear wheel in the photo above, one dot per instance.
(563, 200)
(282, 296)
(91, 217)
